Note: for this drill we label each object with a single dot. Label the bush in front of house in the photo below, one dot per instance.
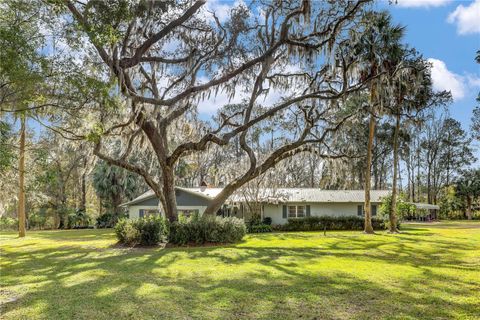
(320, 223)
(404, 209)
(267, 220)
(146, 231)
(207, 229)
(256, 225)
(260, 228)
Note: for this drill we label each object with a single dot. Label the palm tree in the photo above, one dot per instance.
(376, 40)
(114, 185)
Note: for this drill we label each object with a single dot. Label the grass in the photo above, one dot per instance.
(430, 271)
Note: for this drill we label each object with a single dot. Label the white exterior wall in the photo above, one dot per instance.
(316, 209)
(133, 211)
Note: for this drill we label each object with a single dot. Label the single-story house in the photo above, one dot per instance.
(278, 204)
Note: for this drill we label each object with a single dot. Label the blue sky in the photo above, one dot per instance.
(449, 33)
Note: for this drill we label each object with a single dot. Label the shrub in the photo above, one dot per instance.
(256, 225)
(7, 223)
(320, 223)
(404, 209)
(37, 221)
(260, 228)
(145, 231)
(106, 220)
(207, 229)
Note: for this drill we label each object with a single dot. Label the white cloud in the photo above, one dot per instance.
(473, 80)
(444, 79)
(466, 18)
(211, 106)
(421, 3)
(221, 8)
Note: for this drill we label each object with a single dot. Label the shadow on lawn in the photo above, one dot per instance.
(140, 284)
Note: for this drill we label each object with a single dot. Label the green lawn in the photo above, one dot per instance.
(430, 271)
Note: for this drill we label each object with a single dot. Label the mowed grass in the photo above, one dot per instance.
(430, 271)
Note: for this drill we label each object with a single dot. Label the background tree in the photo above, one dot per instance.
(115, 185)
(468, 187)
(22, 71)
(378, 43)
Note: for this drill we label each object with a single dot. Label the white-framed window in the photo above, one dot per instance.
(143, 213)
(361, 210)
(300, 211)
(188, 212)
(296, 211)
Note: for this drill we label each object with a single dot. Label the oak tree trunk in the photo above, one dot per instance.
(170, 202)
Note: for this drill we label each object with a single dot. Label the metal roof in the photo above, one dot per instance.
(208, 193)
(282, 195)
(425, 206)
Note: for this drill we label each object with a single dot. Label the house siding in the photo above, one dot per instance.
(134, 211)
(316, 209)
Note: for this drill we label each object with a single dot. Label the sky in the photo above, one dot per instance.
(447, 32)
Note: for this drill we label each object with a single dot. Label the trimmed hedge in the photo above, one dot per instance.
(154, 229)
(320, 223)
(207, 229)
(260, 228)
(147, 231)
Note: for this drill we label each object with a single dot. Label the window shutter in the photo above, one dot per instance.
(308, 211)
(374, 210)
(140, 213)
(359, 210)
(284, 212)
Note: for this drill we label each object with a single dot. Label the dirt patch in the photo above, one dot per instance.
(7, 296)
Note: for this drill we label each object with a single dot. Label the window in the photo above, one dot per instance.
(143, 213)
(300, 211)
(361, 210)
(296, 211)
(292, 211)
(188, 213)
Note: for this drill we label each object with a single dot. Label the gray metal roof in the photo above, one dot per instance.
(425, 206)
(282, 195)
(317, 195)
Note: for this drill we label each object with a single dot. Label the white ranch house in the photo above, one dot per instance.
(278, 204)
